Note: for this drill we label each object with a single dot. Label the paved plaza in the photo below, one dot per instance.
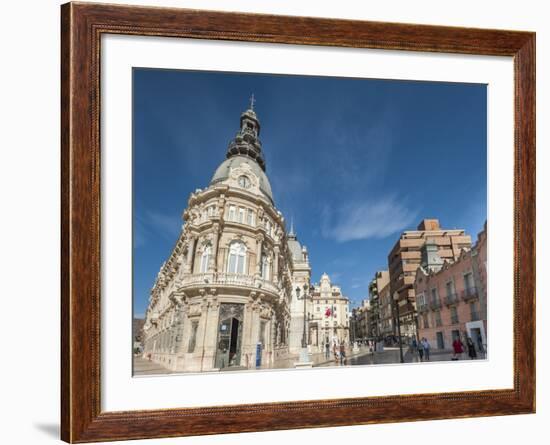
(359, 357)
(146, 367)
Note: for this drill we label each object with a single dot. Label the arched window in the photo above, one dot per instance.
(265, 267)
(205, 258)
(237, 258)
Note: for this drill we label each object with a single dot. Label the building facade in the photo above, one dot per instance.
(406, 257)
(330, 315)
(387, 311)
(225, 295)
(360, 321)
(380, 280)
(301, 276)
(451, 297)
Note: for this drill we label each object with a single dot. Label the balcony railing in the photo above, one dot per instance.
(451, 299)
(469, 293)
(435, 304)
(454, 320)
(423, 308)
(228, 279)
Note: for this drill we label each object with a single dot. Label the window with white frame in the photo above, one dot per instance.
(231, 213)
(241, 215)
(237, 258)
(250, 217)
(205, 258)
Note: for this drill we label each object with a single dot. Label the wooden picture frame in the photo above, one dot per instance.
(82, 25)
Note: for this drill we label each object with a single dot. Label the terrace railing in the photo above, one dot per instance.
(469, 293)
(451, 299)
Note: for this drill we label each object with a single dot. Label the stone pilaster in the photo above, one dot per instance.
(259, 244)
(275, 277)
(213, 262)
(211, 335)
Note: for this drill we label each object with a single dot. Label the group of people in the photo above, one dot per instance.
(422, 347)
(338, 351)
(458, 348)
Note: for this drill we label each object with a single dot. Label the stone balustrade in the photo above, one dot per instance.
(228, 279)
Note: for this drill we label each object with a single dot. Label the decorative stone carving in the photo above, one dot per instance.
(244, 170)
(194, 310)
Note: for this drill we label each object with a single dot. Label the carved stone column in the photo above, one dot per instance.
(259, 244)
(211, 331)
(248, 344)
(213, 263)
(201, 329)
(255, 328)
(275, 277)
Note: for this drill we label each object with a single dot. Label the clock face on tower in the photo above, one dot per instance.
(244, 181)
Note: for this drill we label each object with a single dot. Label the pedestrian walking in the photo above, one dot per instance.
(480, 345)
(458, 348)
(342, 353)
(426, 346)
(335, 352)
(327, 350)
(414, 346)
(471, 349)
(420, 349)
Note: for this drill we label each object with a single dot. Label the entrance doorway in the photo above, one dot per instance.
(230, 328)
(477, 339)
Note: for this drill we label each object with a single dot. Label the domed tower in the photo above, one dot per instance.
(222, 298)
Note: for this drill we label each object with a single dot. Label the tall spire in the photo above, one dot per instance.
(247, 142)
(252, 102)
(292, 234)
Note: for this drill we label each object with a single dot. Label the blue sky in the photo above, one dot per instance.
(353, 161)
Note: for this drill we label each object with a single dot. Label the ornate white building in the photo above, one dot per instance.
(225, 297)
(330, 319)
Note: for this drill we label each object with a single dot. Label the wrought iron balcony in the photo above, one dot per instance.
(423, 308)
(435, 304)
(469, 293)
(451, 299)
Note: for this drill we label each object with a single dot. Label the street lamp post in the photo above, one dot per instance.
(304, 355)
(396, 300)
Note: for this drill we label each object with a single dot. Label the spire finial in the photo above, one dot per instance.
(292, 226)
(252, 102)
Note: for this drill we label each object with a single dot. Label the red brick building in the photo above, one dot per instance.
(451, 296)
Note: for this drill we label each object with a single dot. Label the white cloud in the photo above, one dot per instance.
(165, 225)
(367, 219)
(151, 225)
